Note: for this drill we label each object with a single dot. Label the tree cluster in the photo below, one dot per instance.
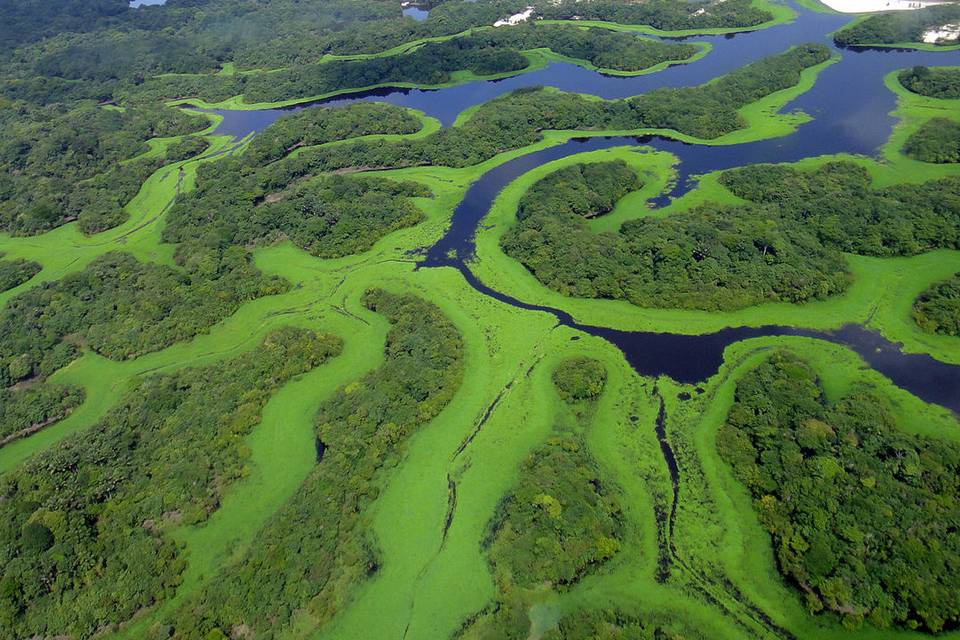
(25, 411)
(938, 82)
(862, 514)
(15, 272)
(937, 309)
(85, 527)
(662, 14)
(316, 546)
(937, 140)
(121, 309)
(60, 163)
(896, 27)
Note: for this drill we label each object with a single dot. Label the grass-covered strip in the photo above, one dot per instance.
(315, 549)
(85, 525)
(937, 140)
(487, 52)
(859, 511)
(900, 28)
(15, 272)
(937, 309)
(122, 308)
(935, 82)
(25, 411)
(60, 162)
(518, 119)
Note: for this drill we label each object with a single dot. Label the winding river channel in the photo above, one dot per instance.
(850, 106)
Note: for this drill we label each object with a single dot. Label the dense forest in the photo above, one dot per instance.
(16, 272)
(935, 82)
(122, 308)
(862, 514)
(895, 27)
(482, 52)
(784, 245)
(662, 14)
(937, 140)
(518, 119)
(316, 548)
(937, 309)
(60, 163)
(85, 525)
(26, 410)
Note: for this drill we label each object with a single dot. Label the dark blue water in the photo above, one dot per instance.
(850, 106)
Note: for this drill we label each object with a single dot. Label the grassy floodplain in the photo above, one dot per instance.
(433, 577)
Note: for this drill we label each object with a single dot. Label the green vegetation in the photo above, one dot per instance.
(899, 27)
(605, 624)
(937, 140)
(859, 511)
(315, 549)
(938, 82)
(518, 119)
(15, 272)
(580, 379)
(121, 308)
(316, 126)
(86, 525)
(485, 52)
(25, 411)
(664, 14)
(58, 164)
(937, 309)
(560, 522)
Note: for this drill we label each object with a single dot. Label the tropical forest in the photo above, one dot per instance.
(480, 320)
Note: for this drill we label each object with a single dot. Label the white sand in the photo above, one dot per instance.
(870, 6)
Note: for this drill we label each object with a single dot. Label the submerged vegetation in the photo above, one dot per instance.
(861, 513)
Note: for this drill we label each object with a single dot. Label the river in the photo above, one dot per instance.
(851, 109)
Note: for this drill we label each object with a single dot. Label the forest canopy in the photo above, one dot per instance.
(861, 513)
(937, 310)
(933, 82)
(85, 526)
(895, 27)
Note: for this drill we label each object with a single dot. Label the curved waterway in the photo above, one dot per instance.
(850, 106)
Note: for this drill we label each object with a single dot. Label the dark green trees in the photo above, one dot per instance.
(933, 82)
(84, 526)
(937, 309)
(937, 140)
(862, 514)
